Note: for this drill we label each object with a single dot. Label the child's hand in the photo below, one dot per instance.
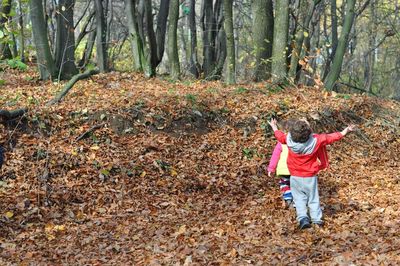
(352, 127)
(273, 124)
(348, 129)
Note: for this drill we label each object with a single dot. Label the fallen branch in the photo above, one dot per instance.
(90, 130)
(71, 83)
(8, 115)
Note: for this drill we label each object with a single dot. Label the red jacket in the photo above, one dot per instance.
(308, 165)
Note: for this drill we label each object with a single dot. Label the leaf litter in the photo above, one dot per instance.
(133, 171)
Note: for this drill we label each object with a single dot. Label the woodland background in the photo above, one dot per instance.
(135, 132)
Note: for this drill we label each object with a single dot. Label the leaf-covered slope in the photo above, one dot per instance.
(175, 173)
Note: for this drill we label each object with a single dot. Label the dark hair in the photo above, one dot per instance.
(285, 125)
(300, 131)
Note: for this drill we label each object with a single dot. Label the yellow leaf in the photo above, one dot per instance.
(9, 214)
(173, 172)
(143, 174)
(305, 34)
(182, 230)
(59, 227)
(95, 147)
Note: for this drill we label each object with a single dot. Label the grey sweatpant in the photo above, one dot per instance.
(305, 194)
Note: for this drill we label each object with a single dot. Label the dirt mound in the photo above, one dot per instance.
(153, 172)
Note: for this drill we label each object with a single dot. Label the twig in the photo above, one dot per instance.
(90, 130)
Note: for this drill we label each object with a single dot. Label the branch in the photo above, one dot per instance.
(71, 83)
(7, 115)
(86, 133)
(356, 88)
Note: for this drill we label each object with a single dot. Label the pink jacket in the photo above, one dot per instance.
(275, 158)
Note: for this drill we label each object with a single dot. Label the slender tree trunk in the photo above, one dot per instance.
(220, 41)
(298, 44)
(228, 22)
(208, 24)
(369, 57)
(45, 60)
(281, 26)
(21, 30)
(101, 45)
(161, 29)
(135, 38)
(146, 33)
(173, 39)
(5, 51)
(65, 40)
(87, 52)
(334, 73)
(84, 30)
(263, 31)
(194, 67)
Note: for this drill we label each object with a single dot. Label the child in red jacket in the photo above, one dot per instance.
(307, 156)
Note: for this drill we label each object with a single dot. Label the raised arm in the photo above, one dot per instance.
(333, 137)
(279, 135)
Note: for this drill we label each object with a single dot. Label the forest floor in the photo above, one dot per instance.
(174, 173)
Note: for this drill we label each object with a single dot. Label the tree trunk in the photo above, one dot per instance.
(334, 73)
(194, 67)
(65, 39)
(146, 33)
(21, 30)
(281, 27)
(208, 26)
(173, 39)
(87, 53)
(101, 46)
(228, 22)
(161, 29)
(5, 51)
(263, 31)
(135, 38)
(298, 44)
(369, 57)
(45, 60)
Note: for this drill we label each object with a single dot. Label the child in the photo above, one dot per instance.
(278, 164)
(304, 163)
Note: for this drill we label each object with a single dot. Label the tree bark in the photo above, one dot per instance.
(135, 38)
(334, 73)
(194, 67)
(87, 52)
(65, 39)
(172, 49)
(228, 23)
(208, 26)
(161, 29)
(101, 45)
(263, 31)
(281, 27)
(45, 60)
(21, 29)
(5, 51)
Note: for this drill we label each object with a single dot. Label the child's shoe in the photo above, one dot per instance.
(304, 223)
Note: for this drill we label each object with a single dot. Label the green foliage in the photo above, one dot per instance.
(16, 64)
(212, 90)
(2, 82)
(249, 153)
(241, 90)
(192, 98)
